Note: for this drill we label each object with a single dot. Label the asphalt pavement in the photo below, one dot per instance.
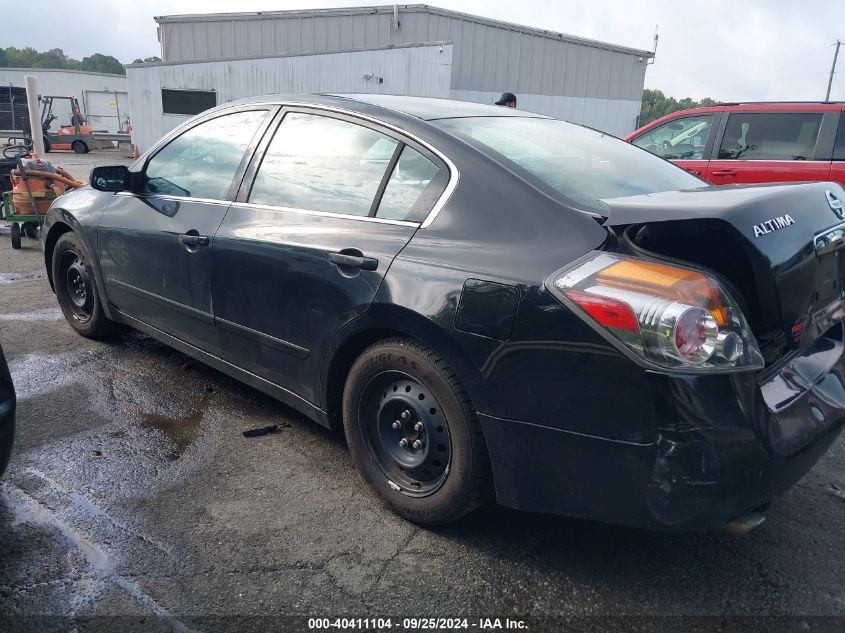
(132, 493)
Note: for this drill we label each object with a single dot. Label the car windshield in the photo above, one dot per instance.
(584, 165)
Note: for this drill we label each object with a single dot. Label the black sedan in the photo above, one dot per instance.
(489, 302)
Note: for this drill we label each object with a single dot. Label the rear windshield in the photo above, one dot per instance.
(582, 164)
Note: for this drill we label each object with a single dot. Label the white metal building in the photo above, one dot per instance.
(103, 98)
(335, 50)
(158, 93)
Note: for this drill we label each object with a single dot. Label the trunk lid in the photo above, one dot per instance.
(777, 246)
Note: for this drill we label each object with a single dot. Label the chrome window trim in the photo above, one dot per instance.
(454, 173)
(326, 214)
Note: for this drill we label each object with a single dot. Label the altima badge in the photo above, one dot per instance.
(775, 224)
(835, 204)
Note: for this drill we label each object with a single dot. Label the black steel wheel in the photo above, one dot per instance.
(16, 235)
(76, 285)
(30, 229)
(76, 288)
(413, 433)
(79, 147)
(405, 433)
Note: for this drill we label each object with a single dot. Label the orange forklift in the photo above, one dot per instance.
(79, 132)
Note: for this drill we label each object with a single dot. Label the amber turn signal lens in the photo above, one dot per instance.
(678, 284)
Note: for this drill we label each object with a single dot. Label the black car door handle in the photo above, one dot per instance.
(354, 261)
(194, 240)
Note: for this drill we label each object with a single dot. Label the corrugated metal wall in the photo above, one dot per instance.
(67, 83)
(407, 70)
(489, 56)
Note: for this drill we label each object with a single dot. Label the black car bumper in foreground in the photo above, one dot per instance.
(7, 413)
(725, 445)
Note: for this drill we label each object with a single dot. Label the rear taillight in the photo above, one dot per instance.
(668, 316)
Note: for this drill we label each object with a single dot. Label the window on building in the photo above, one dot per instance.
(680, 139)
(201, 162)
(187, 101)
(322, 164)
(770, 136)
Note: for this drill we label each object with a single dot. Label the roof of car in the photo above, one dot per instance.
(430, 108)
(425, 108)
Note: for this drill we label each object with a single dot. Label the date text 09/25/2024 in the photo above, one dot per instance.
(417, 624)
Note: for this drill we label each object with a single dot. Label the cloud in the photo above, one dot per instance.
(725, 49)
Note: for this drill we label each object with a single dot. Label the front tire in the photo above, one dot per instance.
(76, 289)
(413, 433)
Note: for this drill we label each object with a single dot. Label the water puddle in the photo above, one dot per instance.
(14, 278)
(44, 314)
(181, 432)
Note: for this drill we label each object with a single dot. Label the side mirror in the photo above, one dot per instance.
(110, 178)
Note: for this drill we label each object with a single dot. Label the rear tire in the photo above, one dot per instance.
(76, 289)
(16, 235)
(433, 467)
(79, 147)
(30, 229)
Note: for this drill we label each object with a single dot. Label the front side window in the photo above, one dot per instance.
(583, 165)
(202, 162)
(681, 139)
(770, 136)
(410, 180)
(318, 163)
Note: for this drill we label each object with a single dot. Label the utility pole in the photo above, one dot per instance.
(832, 69)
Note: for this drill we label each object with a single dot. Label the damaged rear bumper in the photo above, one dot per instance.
(724, 445)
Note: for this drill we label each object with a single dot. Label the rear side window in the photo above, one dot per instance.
(839, 147)
(202, 162)
(406, 191)
(681, 139)
(770, 136)
(322, 164)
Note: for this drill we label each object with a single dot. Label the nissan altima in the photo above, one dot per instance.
(490, 303)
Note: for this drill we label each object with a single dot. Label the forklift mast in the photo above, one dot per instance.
(47, 115)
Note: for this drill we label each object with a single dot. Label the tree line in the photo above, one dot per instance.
(28, 57)
(656, 104)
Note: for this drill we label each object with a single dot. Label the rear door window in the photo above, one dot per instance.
(839, 146)
(770, 136)
(318, 163)
(680, 139)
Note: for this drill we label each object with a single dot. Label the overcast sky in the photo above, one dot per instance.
(724, 49)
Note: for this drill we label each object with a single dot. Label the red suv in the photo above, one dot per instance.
(752, 142)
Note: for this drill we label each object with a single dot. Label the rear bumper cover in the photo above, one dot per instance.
(725, 445)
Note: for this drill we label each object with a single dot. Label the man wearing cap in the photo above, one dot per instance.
(508, 100)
